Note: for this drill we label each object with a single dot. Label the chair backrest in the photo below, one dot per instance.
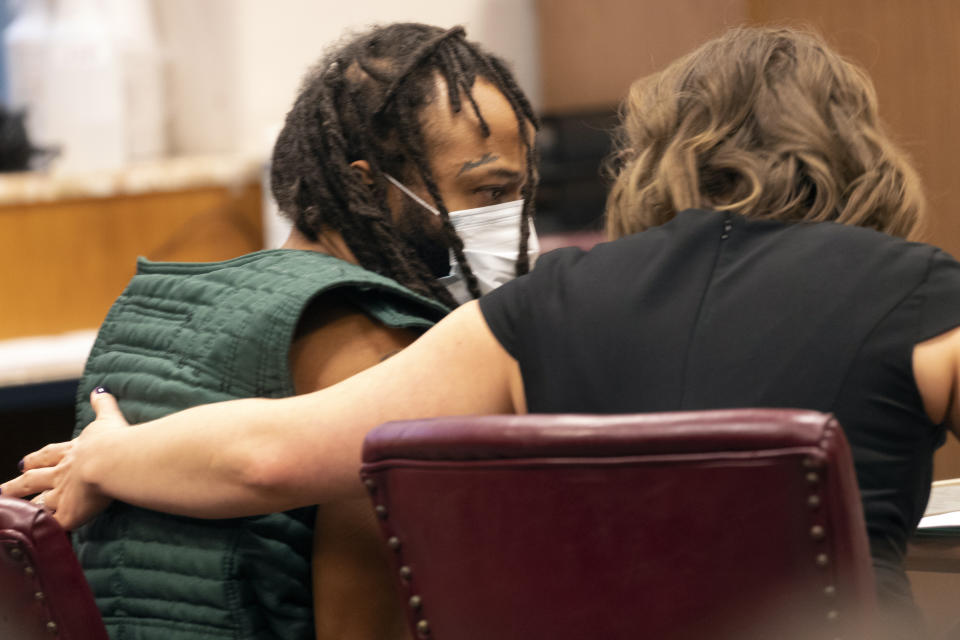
(718, 524)
(43, 593)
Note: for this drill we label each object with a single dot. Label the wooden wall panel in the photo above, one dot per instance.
(590, 52)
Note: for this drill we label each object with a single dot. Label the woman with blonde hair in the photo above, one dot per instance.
(771, 271)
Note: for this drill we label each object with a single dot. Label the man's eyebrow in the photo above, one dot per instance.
(495, 172)
(473, 164)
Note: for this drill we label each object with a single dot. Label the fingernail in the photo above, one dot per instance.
(20, 465)
(101, 389)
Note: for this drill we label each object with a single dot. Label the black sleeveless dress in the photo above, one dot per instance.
(714, 310)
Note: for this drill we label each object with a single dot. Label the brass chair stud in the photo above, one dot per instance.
(423, 628)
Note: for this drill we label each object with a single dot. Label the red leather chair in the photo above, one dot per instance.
(721, 524)
(43, 593)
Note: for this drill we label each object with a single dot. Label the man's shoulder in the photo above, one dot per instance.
(336, 338)
(268, 272)
(269, 261)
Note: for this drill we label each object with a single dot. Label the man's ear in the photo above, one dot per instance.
(363, 168)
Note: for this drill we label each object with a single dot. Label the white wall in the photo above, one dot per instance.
(202, 74)
(236, 64)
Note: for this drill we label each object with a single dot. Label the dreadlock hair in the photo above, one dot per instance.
(363, 102)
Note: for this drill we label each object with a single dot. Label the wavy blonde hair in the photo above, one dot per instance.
(767, 123)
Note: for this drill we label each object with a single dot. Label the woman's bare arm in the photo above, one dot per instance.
(936, 370)
(256, 456)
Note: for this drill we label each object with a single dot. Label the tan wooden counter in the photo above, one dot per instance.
(68, 244)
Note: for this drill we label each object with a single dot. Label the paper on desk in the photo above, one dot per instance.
(943, 509)
(951, 519)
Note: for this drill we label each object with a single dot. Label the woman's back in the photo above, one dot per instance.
(714, 310)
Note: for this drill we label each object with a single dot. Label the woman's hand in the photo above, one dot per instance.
(55, 471)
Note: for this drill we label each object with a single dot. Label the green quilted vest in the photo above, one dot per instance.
(184, 334)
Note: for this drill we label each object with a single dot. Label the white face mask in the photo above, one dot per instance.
(491, 238)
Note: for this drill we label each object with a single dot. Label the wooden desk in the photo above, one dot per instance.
(933, 565)
(68, 244)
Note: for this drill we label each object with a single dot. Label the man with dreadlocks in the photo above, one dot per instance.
(391, 132)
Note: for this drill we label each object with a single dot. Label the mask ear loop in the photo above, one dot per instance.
(423, 203)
